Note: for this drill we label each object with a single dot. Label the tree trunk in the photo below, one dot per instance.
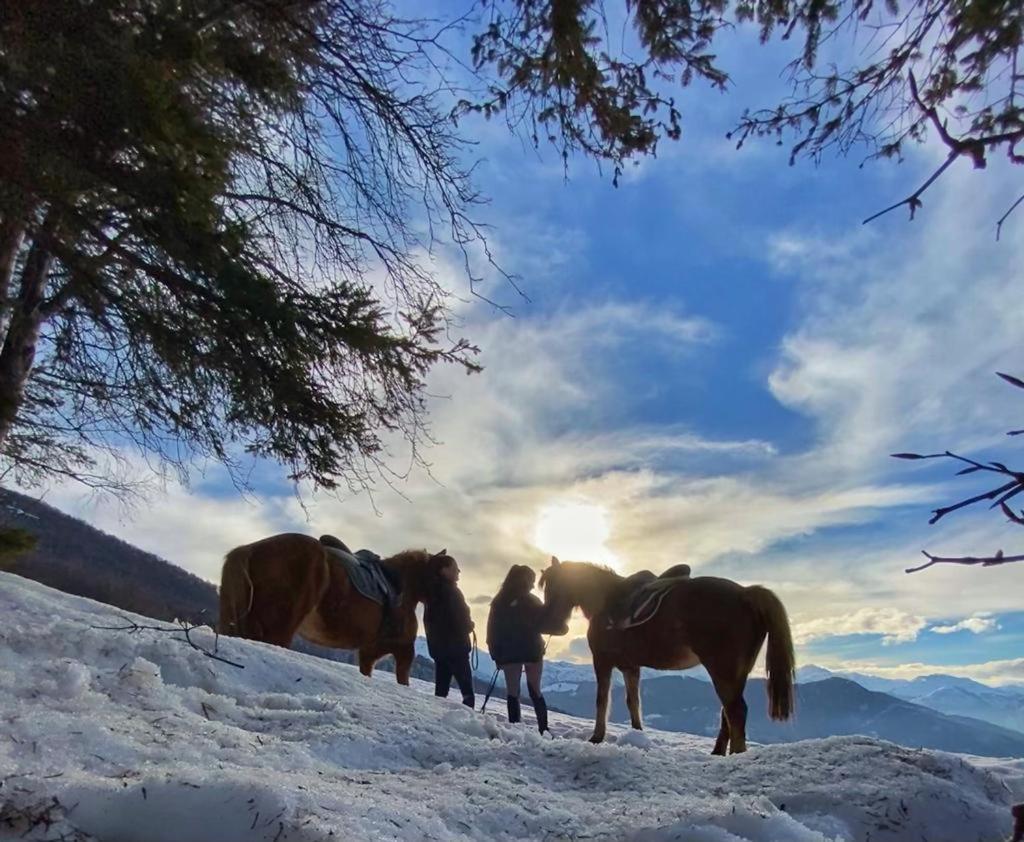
(11, 235)
(25, 320)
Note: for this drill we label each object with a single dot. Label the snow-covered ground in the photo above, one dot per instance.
(123, 737)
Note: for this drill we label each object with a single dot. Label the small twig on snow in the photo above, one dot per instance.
(186, 628)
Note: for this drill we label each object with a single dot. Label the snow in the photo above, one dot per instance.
(109, 735)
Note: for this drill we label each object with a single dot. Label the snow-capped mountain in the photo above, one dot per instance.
(993, 704)
(949, 694)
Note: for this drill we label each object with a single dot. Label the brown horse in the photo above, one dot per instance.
(705, 620)
(288, 584)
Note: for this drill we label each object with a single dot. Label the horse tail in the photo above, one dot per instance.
(236, 591)
(780, 660)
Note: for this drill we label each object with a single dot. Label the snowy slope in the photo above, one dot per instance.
(116, 737)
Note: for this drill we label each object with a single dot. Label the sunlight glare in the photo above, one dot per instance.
(575, 530)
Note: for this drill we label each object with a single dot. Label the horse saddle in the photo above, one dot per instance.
(364, 571)
(642, 594)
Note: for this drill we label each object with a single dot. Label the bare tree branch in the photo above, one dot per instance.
(1000, 495)
(914, 199)
(984, 561)
(1005, 216)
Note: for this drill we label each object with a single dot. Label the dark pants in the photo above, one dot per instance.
(457, 667)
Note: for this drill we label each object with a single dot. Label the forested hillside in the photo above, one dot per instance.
(77, 558)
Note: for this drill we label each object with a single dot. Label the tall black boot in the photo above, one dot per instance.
(512, 702)
(540, 708)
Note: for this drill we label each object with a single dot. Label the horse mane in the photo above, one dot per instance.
(592, 583)
(407, 558)
(413, 568)
(589, 571)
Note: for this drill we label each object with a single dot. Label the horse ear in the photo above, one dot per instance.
(554, 561)
(442, 553)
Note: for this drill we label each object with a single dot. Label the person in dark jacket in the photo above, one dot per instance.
(515, 629)
(448, 625)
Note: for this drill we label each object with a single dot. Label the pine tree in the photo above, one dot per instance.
(192, 197)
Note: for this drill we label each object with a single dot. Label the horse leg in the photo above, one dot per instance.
(729, 688)
(367, 658)
(276, 624)
(603, 671)
(736, 711)
(722, 743)
(405, 653)
(632, 677)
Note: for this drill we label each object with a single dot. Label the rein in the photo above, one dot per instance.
(490, 689)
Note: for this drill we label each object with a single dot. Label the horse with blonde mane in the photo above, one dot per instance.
(704, 620)
(291, 584)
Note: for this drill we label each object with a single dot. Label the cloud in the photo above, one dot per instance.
(801, 250)
(901, 337)
(998, 672)
(894, 625)
(976, 624)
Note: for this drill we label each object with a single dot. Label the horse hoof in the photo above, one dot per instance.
(596, 739)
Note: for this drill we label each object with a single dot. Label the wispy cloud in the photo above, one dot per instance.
(901, 338)
(1002, 671)
(976, 624)
(893, 625)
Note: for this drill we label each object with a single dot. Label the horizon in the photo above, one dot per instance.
(716, 360)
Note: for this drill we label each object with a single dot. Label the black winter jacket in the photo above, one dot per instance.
(447, 622)
(514, 630)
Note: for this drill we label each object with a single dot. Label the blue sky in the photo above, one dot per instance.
(716, 359)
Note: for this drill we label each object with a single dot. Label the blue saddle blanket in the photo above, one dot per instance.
(366, 574)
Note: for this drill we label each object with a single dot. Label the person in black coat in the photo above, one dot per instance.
(448, 625)
(515, 629)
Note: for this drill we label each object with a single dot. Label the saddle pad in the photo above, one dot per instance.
(645, 602)
(366, 574)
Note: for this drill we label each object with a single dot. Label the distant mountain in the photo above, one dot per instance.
(563, 675)
(813, 673)
(945, 693)
(833, 706)
(995, 705)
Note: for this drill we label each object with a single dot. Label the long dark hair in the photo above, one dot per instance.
(518, 581)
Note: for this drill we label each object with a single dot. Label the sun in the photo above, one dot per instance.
(575, 530)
